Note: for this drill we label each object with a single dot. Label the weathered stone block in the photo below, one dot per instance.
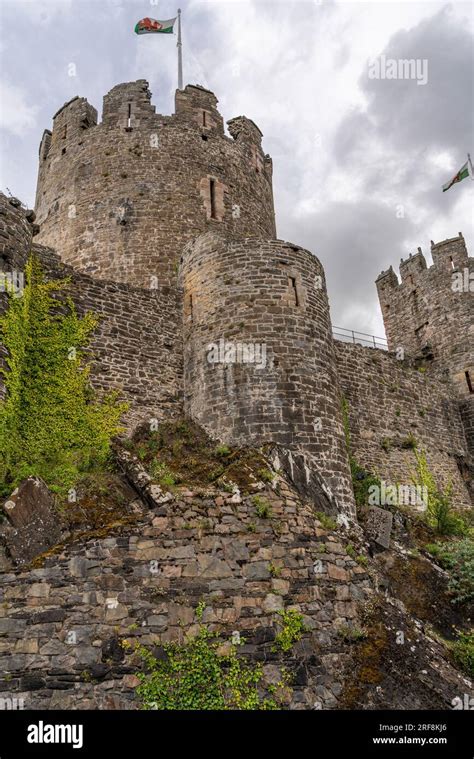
(33, 520)
(379, 525)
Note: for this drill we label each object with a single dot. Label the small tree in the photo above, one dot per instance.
(51, 422)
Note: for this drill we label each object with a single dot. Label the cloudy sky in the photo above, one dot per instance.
(358, 161)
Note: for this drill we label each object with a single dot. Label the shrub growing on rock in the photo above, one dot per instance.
(457, 557)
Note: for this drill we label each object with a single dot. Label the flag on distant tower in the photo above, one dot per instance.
(464, 172)
(152, 26)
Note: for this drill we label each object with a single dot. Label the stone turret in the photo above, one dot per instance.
(430, 315)
(430, 312)
(120, 199)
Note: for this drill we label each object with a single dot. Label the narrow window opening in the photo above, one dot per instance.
(63, 151)
(65, 132)
(189, 307)
(257, 164)
(420, 331)
(204, 118)
(204, 137)
(469, 382)
(212, 191)
(294, 289)
(452, 262)
(129, 119)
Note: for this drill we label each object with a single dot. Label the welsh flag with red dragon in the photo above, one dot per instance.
(153, 26)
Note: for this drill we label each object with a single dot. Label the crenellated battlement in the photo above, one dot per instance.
(450, 254)
(388, 278)
(70, 122)
(198, 106)
(128, 106)
(120, 198)
(429, 312)
(412, 267)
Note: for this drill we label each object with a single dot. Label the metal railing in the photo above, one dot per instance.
(361, 338)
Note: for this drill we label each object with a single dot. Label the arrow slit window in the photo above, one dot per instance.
(212, 191)
(293, 290)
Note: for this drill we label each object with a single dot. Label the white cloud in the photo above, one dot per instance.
(17, 114)
(346, 151)
(42, 12)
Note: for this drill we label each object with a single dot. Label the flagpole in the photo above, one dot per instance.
(180, 53)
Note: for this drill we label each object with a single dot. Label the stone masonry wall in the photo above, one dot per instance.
(16, 234)
(467, 416)
(429, 315)
(270, 295)
(61, 624)
(118, 200)
(69, 624)
(136, 345)
(389, 403)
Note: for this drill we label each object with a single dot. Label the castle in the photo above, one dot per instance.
(166, 226)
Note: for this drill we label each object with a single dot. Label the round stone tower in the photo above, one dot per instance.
(259, 362)
(120, 199)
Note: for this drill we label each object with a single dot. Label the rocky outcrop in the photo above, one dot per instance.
(69, 623)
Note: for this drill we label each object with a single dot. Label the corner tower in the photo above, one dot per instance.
(120, 199)
(430, 314)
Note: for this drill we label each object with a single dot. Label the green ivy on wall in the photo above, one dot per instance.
(52, 424)
(195, 675)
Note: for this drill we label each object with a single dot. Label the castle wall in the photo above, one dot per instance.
(118, 200)
(16, 234)
(388, 404)
(467, 415)
(430, 312)
(136, 345)
(270, 296)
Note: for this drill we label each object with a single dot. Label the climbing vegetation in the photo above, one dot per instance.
(197, 675)
(52, 424)
(292, 628)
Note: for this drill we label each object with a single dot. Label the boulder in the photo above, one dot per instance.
(32, 525)
(379, 526)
